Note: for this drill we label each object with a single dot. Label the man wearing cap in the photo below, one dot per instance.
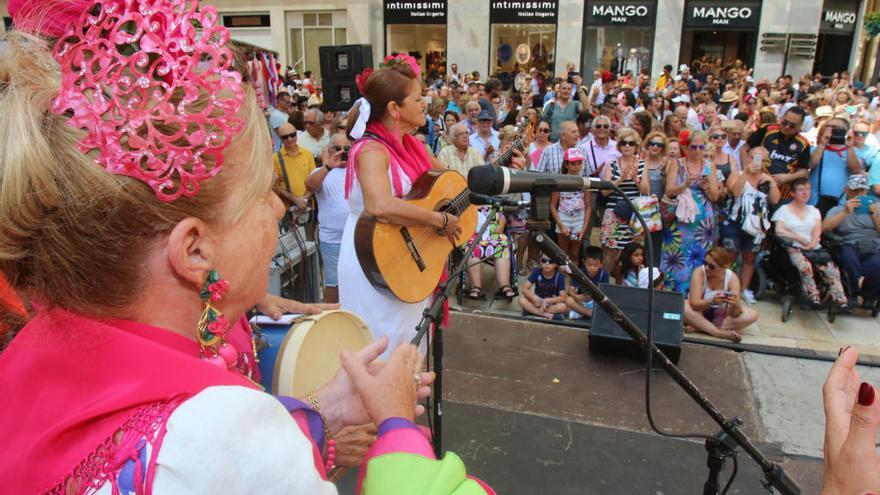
(485, 139)
(492, 89)
(857, 222)
(789, 149)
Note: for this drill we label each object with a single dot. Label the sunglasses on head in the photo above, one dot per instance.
(719, 136)
(655, 144)
(698, 146)
(285, 137)
(627, 143)
(601, 126)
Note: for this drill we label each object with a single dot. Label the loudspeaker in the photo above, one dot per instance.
(606, 337)
(344, 62)
(340, 94)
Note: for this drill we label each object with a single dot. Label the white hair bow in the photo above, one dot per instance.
(360, 126)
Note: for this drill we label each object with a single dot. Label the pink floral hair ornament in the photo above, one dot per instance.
(392, 60)
(135, 74)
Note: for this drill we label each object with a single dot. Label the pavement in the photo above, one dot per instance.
(530, 410)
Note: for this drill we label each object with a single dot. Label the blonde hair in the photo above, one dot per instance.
(507, 132)
(626, 132)
(74, 235)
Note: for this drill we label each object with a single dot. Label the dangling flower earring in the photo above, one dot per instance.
(396, 125)
(212, 325)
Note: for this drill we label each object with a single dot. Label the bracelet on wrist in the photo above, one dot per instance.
(327, 167)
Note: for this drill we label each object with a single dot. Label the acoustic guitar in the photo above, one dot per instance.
(407, 261)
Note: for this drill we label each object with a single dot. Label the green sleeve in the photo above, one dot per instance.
(405, 474)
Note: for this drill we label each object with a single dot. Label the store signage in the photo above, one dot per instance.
(610, 13)
(722, 15)
(525, 12)
(415, 12)
(839, 20)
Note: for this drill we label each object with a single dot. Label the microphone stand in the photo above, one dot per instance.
(432, 315)
(719, 446)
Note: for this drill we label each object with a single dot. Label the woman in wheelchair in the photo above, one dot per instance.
(494, 247)
(713, 305)
(801, 225)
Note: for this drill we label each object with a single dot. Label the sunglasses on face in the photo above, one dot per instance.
(601, 126)
(627, 143)
(719, 136)
(544, 130)
(545, 261)
(698, 147)
(790, 125)
(285, 137)
(341, 148)
(655, 144)
(861, 133)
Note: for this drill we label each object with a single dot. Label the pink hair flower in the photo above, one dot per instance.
(403, 57)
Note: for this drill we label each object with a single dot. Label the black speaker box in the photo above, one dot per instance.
(606, 337)
(340, 94)
(345, 61)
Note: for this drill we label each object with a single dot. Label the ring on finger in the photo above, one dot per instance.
(418, 378)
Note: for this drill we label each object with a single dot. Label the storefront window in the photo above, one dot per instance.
(836, 32)
(418, 29)
(618, 37)
(522, 37)
(720, 30)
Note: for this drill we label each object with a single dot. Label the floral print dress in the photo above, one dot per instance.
(494, 243)
(685, 244)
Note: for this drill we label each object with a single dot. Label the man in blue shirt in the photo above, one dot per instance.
(829, 165)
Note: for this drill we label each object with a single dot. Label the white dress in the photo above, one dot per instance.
(384, 314)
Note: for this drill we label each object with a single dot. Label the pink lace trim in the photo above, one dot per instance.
(107, 460)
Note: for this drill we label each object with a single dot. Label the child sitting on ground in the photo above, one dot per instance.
(544, 292)
(579, 302)
(631, 261)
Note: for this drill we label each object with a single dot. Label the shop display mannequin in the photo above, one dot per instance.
(618, 63)
(632, 63)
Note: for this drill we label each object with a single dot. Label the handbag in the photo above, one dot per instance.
(667, 210)
(817, 256)
(648, 207)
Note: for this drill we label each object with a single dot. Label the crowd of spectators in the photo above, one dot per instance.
(719, 160)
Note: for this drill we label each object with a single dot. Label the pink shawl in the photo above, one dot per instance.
(412, 157)
(70, 382)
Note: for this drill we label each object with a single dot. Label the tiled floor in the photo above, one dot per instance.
(805, 330)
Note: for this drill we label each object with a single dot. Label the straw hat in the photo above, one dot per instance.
(728, 97)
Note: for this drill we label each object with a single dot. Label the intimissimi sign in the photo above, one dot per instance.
(524, 12)
(718, 14)
(615, 12)
(415, 12)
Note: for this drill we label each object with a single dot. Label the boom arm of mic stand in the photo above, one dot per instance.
(774, 473)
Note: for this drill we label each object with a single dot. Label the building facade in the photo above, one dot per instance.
(507, 36)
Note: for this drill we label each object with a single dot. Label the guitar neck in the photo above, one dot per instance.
(504, 158)
(459, 203)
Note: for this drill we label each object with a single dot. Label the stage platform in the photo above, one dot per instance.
(531, 411)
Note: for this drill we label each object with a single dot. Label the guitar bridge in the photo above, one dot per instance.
(413, 250)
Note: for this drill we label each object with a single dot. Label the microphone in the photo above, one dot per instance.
(482, 199)
(488, 179)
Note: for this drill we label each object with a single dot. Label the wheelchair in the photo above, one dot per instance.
(775, 271)
(461, 283)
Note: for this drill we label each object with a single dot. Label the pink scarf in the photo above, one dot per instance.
(412, 157)
(70, 382)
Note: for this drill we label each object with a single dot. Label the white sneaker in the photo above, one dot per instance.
(748, 297)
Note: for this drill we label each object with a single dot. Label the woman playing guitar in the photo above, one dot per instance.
(383, 164)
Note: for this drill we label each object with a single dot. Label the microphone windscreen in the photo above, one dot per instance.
(485, 179)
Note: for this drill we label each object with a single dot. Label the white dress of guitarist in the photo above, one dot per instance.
(383, 313)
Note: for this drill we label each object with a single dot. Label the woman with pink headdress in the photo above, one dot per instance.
(137, 215)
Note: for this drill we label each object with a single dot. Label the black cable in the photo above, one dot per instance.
(649, 356)
(732, 475)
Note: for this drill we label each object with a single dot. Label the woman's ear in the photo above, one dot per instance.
(190, 250)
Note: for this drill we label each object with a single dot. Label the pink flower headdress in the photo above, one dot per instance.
(151, 82)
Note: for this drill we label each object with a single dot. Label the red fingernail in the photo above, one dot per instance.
(866, 394)
(842, 350)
